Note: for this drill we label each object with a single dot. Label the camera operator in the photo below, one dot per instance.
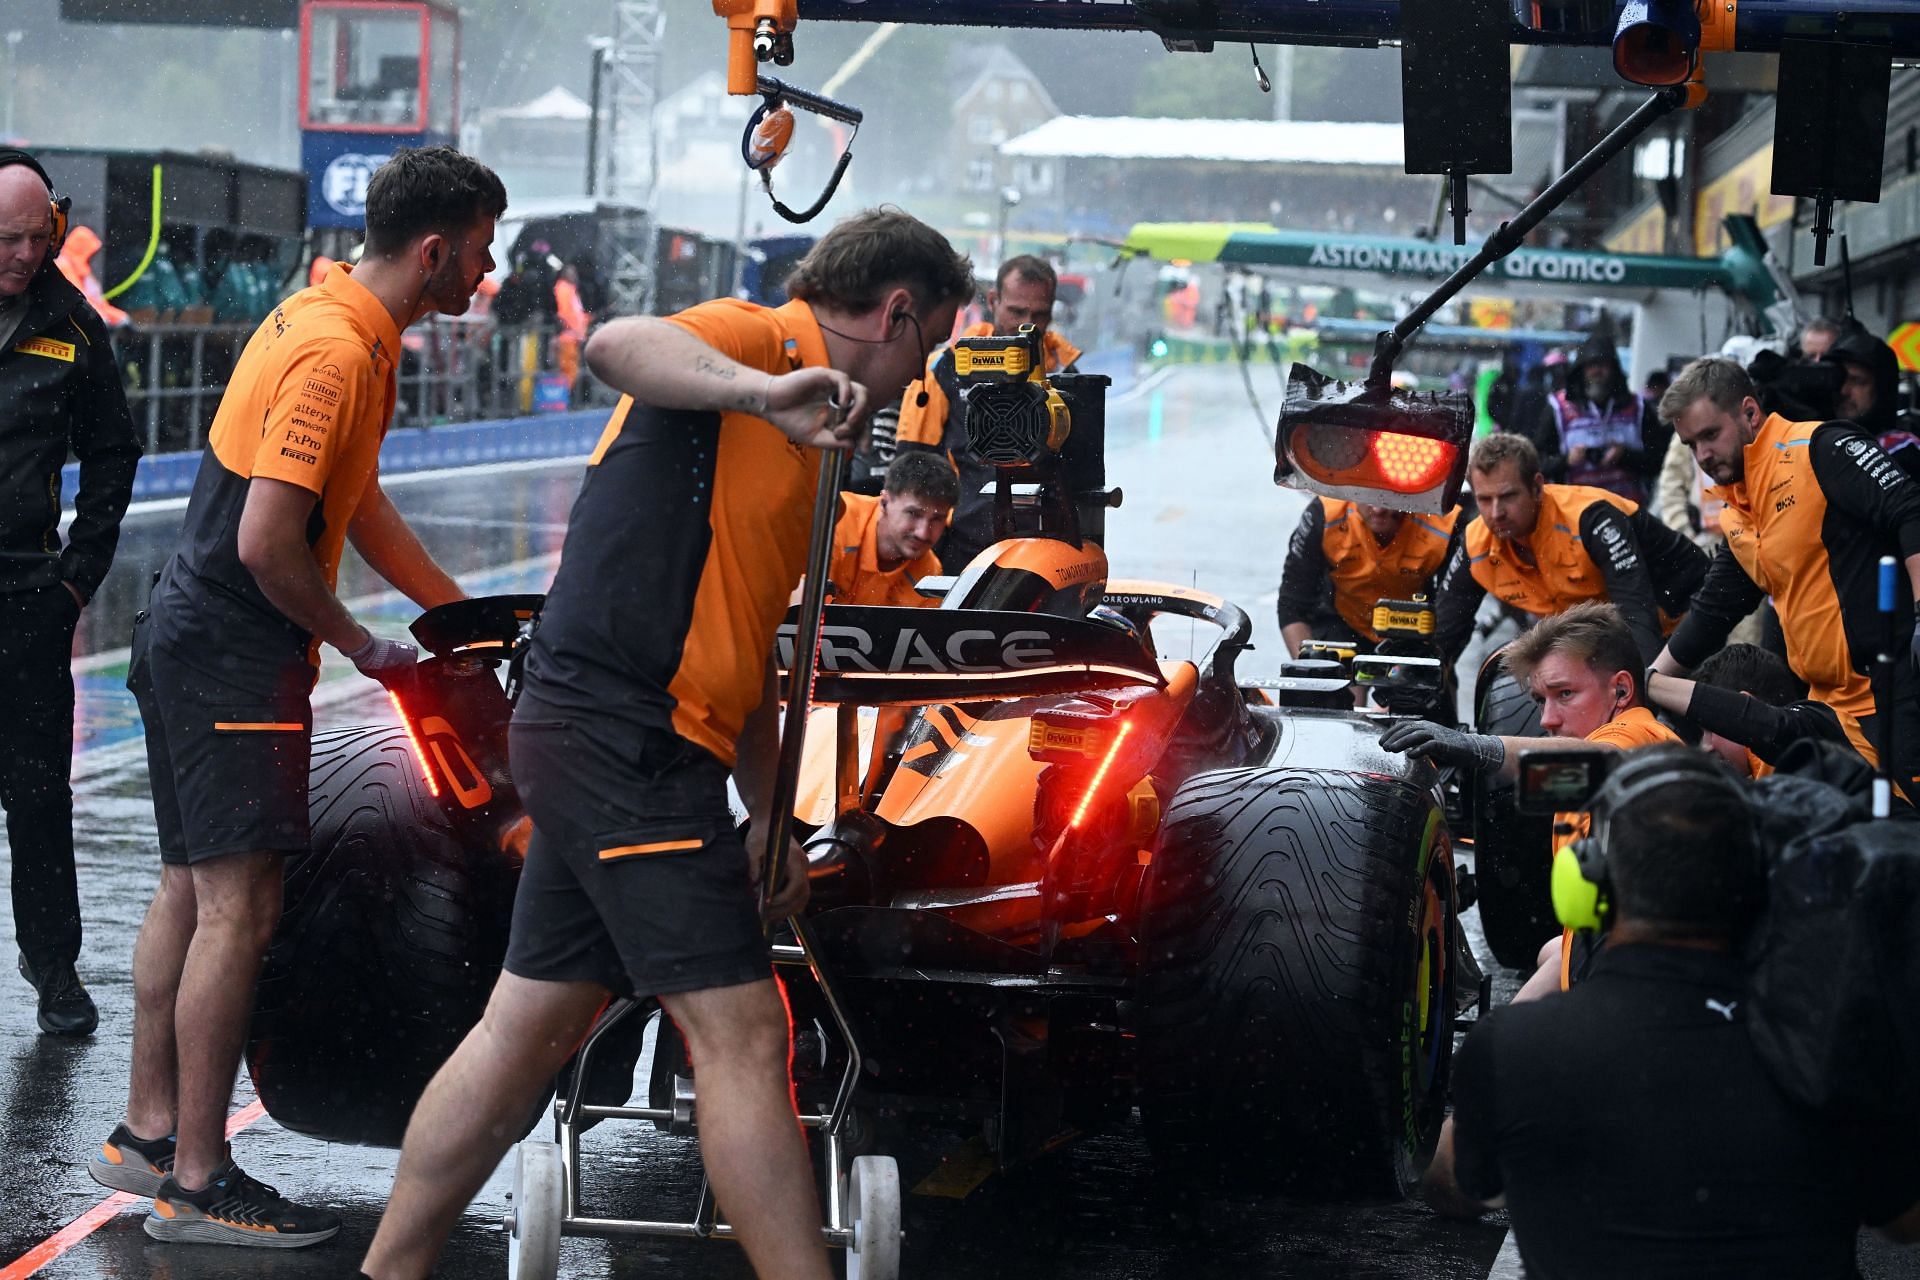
(1629, 1126)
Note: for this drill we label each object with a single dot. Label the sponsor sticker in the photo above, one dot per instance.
(47, 347)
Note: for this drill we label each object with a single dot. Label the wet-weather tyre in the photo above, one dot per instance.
(389, 944)
(1297, 933)
(1511, 850)
(539, 1205)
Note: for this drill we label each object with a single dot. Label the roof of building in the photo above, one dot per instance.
(975, 65)
(557, 103)
(1229, 141)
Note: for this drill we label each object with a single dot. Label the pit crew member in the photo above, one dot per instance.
(647, 681)
(1541, 548)
(1810, 509)
(930, 416)
(1346, 557)
(224, 657)
(884, 545)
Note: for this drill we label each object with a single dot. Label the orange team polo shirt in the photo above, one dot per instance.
(1632, 729)
(856, 573)
(688, 537)
(308, 403)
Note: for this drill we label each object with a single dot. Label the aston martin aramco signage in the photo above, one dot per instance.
(1420, 259)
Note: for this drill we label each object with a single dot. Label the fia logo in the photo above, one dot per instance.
(344, 184)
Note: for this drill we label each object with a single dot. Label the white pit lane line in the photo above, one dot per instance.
(1506, 1263)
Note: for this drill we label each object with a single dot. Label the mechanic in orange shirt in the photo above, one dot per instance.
(650, 680)
(884, 545)
(1346, 557)
(1540, 548)
(1586, 673)
(930, 415)
(224, 657)
(1811, 508)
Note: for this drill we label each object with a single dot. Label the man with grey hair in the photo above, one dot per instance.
(1810, 509)
(1817, 338)
(60, 390)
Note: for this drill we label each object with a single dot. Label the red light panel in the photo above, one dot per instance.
(413, 740)
(1099, 776)
(1411, 463)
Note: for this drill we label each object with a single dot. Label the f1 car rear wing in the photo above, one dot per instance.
(877, 655)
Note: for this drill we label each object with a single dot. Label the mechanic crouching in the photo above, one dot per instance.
(1346, 557)
(1629, 1126)
(883, 546)
(648, 681)
(1541, 548)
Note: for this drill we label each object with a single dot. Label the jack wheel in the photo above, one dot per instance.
(873, 1200)
(539, 1203)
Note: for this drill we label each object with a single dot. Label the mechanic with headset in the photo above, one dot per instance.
(1629, 1126)
(883, 545)
(1541, 548)
(1811, 508)
(226, 653)
(60, 390)
(1346, 557)
(931, 417)
(648, 680)
(1584, 670)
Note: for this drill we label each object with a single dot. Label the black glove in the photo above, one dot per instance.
(1462, 750)
(1916, 637)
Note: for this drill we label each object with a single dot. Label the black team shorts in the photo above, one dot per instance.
(229, 735)
(635, 877)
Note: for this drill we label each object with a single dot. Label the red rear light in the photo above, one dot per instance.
(413, 740)
(1100, 775)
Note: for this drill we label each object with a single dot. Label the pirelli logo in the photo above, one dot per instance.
(298, 455)
(47, 347)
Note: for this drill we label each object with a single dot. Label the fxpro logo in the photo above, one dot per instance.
(845, 650)
(344, 184)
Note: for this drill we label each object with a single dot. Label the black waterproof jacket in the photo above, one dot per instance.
(60, 390)
(1857, 346)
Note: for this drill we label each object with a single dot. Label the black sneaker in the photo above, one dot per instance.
(127, 1163)
(235, 1209)
(65, 1007)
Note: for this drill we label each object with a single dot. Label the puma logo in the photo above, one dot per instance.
(1724, 1010)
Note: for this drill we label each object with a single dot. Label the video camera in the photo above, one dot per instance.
(1562, 780)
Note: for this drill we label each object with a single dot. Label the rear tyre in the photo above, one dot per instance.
(1294, 1005)
(1511, 850)
(390, 942)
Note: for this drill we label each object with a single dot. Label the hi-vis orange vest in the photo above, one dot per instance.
(1364, 573)
(1562, 573)
(1773, 521)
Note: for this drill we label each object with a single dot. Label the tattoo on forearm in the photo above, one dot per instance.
(703, 365)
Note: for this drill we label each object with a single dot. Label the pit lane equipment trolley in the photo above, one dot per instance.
(862, 1201)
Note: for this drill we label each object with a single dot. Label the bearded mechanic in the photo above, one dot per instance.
(884, 545)
(1810, 509)
(1541, 548)
(1346, 557)
(931, 417)
(224, 658)
(648, 680)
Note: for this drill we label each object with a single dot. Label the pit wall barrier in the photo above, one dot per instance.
(550, 435)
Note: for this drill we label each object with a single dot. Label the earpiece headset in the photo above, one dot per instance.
(1582, 884)
(62, 206)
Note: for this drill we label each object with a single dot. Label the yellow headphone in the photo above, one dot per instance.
(61, 206)
(1582, 885)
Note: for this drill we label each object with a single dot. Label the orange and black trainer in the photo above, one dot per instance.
(128, 1163)
(236, 1209)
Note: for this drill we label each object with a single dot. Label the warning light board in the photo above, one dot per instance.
(1905, 342)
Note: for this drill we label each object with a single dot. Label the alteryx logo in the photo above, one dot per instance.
(344, 183)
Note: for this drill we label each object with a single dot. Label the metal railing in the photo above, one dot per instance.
(450, 371)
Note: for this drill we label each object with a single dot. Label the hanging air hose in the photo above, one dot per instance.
(769, 132)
